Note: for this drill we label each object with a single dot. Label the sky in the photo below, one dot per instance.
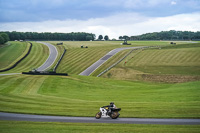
(102, 17)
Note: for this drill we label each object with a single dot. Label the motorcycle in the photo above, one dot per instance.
(104, 112)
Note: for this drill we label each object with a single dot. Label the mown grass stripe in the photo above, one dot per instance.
(15, 82)
(18, 59)
(5, 81)
(34, 86)
(84, 59)
(6, 58)
(37, 56)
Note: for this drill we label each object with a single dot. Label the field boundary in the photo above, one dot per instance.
(14, 65)
(54, 69)
(45, 73)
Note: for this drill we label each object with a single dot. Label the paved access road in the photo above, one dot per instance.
(51, 59)
(97, 64)
(44, 118)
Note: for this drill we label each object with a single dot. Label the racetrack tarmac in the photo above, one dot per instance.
(53, 53)
(45, 118)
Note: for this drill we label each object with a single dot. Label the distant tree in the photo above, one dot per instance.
(106, 37)
(125, 37)
(93, 36)
(100, 37)
(120, 37)
(5, 37)
(88, 37)
(1, 40)
(14, 36)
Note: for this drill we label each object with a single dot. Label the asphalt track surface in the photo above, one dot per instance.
(97, 64)
(44, 118)
(51, 59)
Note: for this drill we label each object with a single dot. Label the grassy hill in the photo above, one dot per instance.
(178, 63)
(76, 95)
(36, 58)
(78, 59)
(83, 95)
(54, 95)
(11, 52)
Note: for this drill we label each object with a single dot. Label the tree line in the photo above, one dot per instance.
(74, 36)
(4, 38)
(165, 35)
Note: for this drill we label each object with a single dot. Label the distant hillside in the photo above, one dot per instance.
(166, 35)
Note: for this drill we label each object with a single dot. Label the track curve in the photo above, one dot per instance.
(51, 59)
(44, 118)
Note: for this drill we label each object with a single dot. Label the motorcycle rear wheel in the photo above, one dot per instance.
(114, 115)
(98, 115)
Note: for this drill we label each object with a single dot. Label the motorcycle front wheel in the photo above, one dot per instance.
(98, 115)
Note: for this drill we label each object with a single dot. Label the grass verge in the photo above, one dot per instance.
(49, 127)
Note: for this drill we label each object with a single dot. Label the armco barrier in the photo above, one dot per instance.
(46, 73)
(14, 65)
(54, 69)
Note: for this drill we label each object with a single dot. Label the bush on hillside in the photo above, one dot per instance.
(1, 40)
(4, 38)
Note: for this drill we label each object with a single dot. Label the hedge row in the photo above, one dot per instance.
(59, 60)
(45, 73)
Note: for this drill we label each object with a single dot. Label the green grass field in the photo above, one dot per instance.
(36, 58)
(82, 96)
(11, 53)
(54, 127)
(76, 95)
(76, 59)
(177, 60)
(176, 63)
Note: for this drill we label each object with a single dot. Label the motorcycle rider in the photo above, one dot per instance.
(112, 105)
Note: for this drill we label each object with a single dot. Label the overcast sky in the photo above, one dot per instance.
(105, 17)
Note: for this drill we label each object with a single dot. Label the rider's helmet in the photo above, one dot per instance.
(112, 103)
